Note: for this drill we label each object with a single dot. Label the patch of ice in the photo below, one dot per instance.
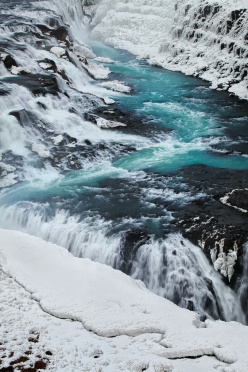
(84, 50)
(104, 60)
(108, 101)
(117, 86)
(41, 150)
(8, 180)
(103, 123)
(57, 139)
(58, 51)
(19, 70)
(96, 71)
(45, 66)
(7, 167)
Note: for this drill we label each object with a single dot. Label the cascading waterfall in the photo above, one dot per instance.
(173, 267)
(109, 195)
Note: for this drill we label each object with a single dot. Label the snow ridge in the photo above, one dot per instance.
(204, 38)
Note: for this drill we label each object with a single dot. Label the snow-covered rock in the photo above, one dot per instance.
(7, 175)
(19, 70)
(58, 51)
(45, 66)
(96, 71)
(104, 60)
(152, 333)
(236, 199)
(58, 139)
(117, 86)
(108, 101)
(202, 38)
(41, 150)
(103, 123)
(84, 50)
(8, 180)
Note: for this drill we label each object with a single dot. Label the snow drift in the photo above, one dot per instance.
(163, 336)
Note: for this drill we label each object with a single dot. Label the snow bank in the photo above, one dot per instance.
(153, 333)
(208, 38)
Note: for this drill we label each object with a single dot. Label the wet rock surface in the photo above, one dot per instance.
(215, 227)
(36, 83)
(237, 199)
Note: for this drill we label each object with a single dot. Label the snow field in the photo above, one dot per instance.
(118, 324)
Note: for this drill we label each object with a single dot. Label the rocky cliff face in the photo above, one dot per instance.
(207, 39)
(210, 40)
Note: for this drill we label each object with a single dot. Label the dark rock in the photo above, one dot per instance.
(53, 22)
(49, 62)
(239, 199)
(22, 359)
(42, 105)
(27, 118)
(40, 364)
(203, 318)
(60, 33)
(208, 222)
(36, 83)
(229, 25)
(19, 114)
(236, 14)
(90, 117)
(44, 29)
(131, 242)
(67, 139)
(4, 90)
(9, 62)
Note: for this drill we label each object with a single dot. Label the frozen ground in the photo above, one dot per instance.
(205, 38)
(63, 313)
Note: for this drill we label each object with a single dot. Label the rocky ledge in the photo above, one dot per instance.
(218, 223)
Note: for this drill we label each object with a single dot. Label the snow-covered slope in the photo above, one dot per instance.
(205, 38)
(148, 333)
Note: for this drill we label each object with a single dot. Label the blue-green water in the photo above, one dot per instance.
(199, 118)
(178, 121)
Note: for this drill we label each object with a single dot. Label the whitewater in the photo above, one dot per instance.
(127, 164)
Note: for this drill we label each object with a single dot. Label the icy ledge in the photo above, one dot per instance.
(150, 332)
(204, 38)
